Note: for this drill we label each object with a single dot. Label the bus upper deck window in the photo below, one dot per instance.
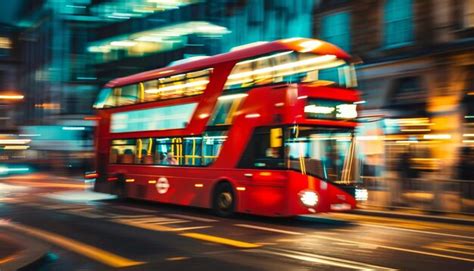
(240, 76)
(262, 74)
(105, 99)
(151, 90)
(128, 95)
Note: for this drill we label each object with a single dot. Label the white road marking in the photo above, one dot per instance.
(140, 210)
(191, 228)
(325, 260)
(156, 220)
(173, 221)
(397, 248)
(120, 216)
(201, 219)
(85, 212)
(416, 231)
(59, 207)
(267, 229)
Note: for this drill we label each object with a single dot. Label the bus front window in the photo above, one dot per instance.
(327, 153)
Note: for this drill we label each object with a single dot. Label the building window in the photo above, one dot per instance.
(335, 29)
(468, 13)
(408, 91)
(398, 23)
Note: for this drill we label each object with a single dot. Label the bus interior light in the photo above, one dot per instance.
(177, 87)
(233, 96)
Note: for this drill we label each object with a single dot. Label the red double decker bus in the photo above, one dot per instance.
(265, 129)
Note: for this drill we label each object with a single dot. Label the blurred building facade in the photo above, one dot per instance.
(416, 72)
(9, 65)
(70, 48)
(417, 82)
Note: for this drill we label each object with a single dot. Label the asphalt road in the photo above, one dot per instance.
(87, 232)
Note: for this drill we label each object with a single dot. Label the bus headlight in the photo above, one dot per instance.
(361, 194)
(309, 198)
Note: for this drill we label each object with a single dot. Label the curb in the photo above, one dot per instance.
(430, 218)
(31, 252)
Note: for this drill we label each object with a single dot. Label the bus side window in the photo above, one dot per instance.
(212, 145)
(148, 146)
(122, 151)
(196, 82)
(192, 151)
(128, 157)
(169, 151)
(113, 158)
(238, 77)
(283, 74)
(105, 99)
(224, 111)
(262, 78)
(128, 95)
(151, 90)
(144, 153)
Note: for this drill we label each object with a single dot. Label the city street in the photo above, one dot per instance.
(82, 230)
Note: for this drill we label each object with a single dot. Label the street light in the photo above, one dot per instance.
(11, 97)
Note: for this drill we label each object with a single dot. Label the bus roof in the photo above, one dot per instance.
(246, 51)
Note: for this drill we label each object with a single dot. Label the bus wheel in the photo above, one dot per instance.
(223, 201)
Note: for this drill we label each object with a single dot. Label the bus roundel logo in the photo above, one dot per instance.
(162, 185)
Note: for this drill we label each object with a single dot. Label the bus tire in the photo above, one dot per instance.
(223, 200)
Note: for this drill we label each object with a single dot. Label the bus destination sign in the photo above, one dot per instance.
(329, 109)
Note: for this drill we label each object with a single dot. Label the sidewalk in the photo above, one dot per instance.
(17, 251)
(413, 214)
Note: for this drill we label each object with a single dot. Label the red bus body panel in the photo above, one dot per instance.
(261, 192)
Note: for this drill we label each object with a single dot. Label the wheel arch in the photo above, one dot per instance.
(221, 181)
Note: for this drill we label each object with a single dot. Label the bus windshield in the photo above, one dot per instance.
(327, 153)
